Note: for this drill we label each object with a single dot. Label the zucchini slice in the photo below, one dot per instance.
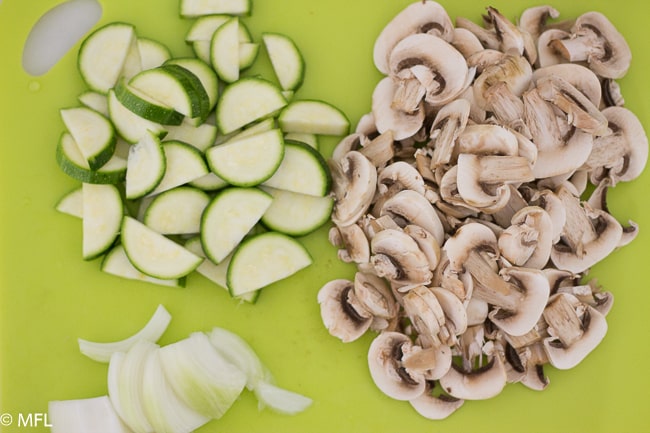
(184, 163)
(286, 59)
(72, 203)
(303, 170)
(177, 211)
(154, 254)
(245, 101)
(94, 134)
(229, 218)
(152, 53)
(313, 117)
(146, 166)
(264, 259)
(296, 214)
(197, 8)
(102, 215)
(145, 106)
(247, 161)
(117, 263)
(129, 125)
(72, 163)
(224, 50)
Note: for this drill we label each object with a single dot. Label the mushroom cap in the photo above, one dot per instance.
(400, 173)
(341, 312)
(486, 382)
(403, 125)
(443, 63)
(533, 19)
(396, 256)
(410, 207)
(534, 288)
(566, 158)
(386, 369)
(419, 17)
(435, 407)
(471, 236)
(355, 181)
(594, 330)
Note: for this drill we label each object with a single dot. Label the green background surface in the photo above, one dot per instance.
(49, 296)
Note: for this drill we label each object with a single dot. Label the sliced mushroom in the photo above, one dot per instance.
(624, 152)
(375, 295)
(435, 407)
(575, 329)
(594, 39)
(466, 42)
(588, 235)
(546, 54)
(380, 149)
(426, 242)
(425, 313)
(598, 200)
(354, 179)
(353, 243)
(533, 19)
(513, 70)
(510, 36)
(580, 77)
(487, 139)
(385, 357)
(420, 17)
(483, 383)
(402, 125)
(488, 38)
(426, 66)
(408, 207)
(349, 142)
(398, 176)
(397, 257)
(449, 123)
(528, 240)
(343, 314)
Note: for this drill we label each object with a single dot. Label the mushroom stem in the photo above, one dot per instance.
(578, 48)
(491, 287)
(501, 169)
(563, 321)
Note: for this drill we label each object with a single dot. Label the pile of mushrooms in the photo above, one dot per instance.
(472, 200)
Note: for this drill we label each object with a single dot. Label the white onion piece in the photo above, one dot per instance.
(200, 376)
(95, 415)
(165, 410)
(238, 352)
(152, 332)
(281, 400)
(127, 398)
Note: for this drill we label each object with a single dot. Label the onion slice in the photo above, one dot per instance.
(85, 415)
(280, 400)
(152, 331)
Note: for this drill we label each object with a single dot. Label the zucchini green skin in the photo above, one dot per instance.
(146, 109)
(86, 175)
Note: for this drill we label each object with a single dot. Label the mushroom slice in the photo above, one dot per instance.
(466, 42)
(408, 207)
(353, 242)
(429, 67)
(479, 176)
(624, 152)
(487, 139)
(509, 35)
(533, 359)
(435, 407)
(551, 203)
(483, 383)
(354, 179)
(582, 113)
(349, 142)
(513, 70)
(576, 329)
(397, 257)
(427, 243)
(402, 175)
(533, 20)
(589, 235)
(402, 125)
(380, 149)
(598, 200)
(343, 314)
(455, 311)
(449, 123)
(387, 370)
(375, 295)
(427, 17)
(546, 54)
(580, 77)
(488, 38)
(528, 240)
(594, 39)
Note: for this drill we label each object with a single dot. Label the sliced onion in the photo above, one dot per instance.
(200, 376)
(152, 332)
(85, 415)
(165, 410)
(238, 352)
(125, 390)
(281, 400)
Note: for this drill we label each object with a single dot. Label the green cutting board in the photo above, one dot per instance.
(49, 296)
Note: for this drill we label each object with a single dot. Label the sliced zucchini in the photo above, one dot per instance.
(103, 53)
(204, 73)
(133, 61)
(246, 101)
(247, 54)
(264, 259)
(177, 211)
(152, 53)
(191, 81)
(129, 125)
(202, 136)
(72, 203)
(224, 50)
(216, 272)
(72, 163)
(247, 161)
(184, 164)
(145, 106)
(117, 263)
(95, 101)
(197, 8)
(303, 170)
(102, 215)
(229, 217)
(286, 59)
(296, 214)
(154, 254)
(310, 139)
(146, 167)
(93, 133)
(252, 129)
(204, 27)
(313, 117)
